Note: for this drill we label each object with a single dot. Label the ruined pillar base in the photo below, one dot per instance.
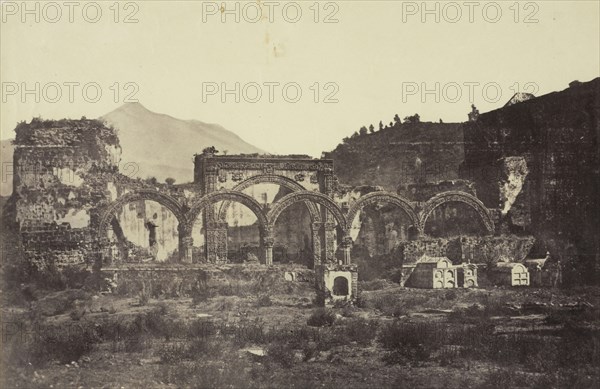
(336, 282)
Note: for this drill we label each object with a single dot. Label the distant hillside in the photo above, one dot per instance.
(161, 146)
(402, 154)
(164, 146)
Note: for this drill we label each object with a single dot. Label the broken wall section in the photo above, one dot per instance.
(472, 249)
(61, 170)
(557, 136)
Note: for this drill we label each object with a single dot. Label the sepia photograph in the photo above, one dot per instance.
(300, 194)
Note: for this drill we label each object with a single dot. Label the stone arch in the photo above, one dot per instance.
(456, 196)
(107, 213)
(340, 286)
(386, 197)
(270, 179)
(215, 197)
(314, 197)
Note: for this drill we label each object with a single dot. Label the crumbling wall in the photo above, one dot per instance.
(382, 227)
(57, 183)
(473, 249)
(552, 142)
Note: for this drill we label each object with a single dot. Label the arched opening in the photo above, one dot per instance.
(453, 218)
(237, 239)
(141, 231)
(380, 221)
(458, 213)
(325, 234)
(380, 227)
(293, 240)
(293, 237)
(340, 286)
(242, 233)
(199, 239)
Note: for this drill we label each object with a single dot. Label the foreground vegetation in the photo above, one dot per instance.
(268, 333)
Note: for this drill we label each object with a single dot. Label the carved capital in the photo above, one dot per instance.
(268, 241)
(346, 242)
(267, 231)
(187, 241)
(216, 225)
(329, 226)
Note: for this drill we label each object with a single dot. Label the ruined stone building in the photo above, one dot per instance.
(539, 162)
(525, 172)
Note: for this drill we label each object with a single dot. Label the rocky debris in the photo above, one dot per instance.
(255, 351)
(577, 306)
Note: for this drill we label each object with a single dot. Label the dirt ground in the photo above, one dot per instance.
(391, 337)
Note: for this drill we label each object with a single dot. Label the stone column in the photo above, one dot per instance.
(328, 234)
(420, 227)
(346, 247)
(213, 233)
(186, 246)
(316, 243)
(328, 239)
(186, 243)
(216, 242)
(267, 243)
(104, 256)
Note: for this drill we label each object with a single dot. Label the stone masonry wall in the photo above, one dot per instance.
(58, 167)
(484, 249)
(538, 162)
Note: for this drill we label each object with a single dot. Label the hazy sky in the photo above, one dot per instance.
(375, 59)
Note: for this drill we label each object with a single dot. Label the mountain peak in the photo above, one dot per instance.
(131, 107)
(163, 146)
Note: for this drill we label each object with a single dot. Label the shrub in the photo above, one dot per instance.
(77, 313)
(204, 347)
(144, 296)
(309, 351)
(75, 277)
(348, 311)
(230, 372)
(331, 337)
(200, 329)
(362, 331)
(172, 353)
(471, 314)
(281, 353)
(247, 331)
(175, 352)
(321, 317)
(159, 323)
(60, 302)
(201, 292)
(450, 295)
(264, 300)
(49, 343)
(408, 342)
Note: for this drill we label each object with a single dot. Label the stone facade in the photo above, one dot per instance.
(296, 173)
(509, 274)
(434, 273)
